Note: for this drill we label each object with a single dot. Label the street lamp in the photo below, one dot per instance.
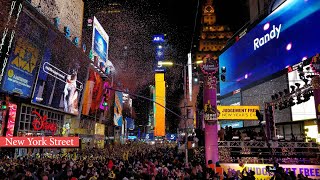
(168, 63)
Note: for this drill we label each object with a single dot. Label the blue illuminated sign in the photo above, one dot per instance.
(159, 38)
(100, 46)
(171, 137)
(149, 136)
(21, 68)
(283, 38)
(23, 61)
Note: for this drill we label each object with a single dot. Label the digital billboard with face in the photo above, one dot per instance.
(283, 38)
(62, 75)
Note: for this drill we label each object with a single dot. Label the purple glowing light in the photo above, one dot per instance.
(266, 26)
(289, 46)
(304, 58)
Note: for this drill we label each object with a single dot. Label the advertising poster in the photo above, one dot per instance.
(24, 58)
(100, 43)
(11, 119)
(63, 72)
(118, 105)
(312, 171)
(237, 112)
(93, 94)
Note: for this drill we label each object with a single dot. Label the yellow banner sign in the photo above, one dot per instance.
(237, 112)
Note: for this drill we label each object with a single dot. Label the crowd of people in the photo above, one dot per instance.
(129, 161)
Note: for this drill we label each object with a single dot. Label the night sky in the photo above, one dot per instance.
(131, 49)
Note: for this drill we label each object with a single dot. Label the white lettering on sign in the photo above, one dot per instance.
(157, 39)
(274, 33)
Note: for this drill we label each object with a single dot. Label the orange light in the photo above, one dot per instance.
(160, 93)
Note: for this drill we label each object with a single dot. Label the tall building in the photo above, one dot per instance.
(258, 8)
(213, 37)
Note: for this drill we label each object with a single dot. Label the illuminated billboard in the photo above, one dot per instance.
(305, 110)
(25, 56)
(287, 35)
(62, 75)
(95, 90)
(118, 106)
(160, 98)
(237, 112)
(100, 44)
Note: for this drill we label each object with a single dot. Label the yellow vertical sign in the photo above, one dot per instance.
(160, 91)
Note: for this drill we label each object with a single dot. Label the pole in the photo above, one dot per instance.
(185, 110)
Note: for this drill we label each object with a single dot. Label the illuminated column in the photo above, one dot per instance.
(160, 87)
(210, 68)
(160, 93)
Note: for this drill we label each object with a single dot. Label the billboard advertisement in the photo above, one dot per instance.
(118, 106)
(100, 43)
(305, 110)
(94, 92)
(24, 58)
(11, 119)
(284, 38)
(237, 112)
(62, 75)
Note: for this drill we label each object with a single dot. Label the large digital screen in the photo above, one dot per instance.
(100, 43)
(62, 75)
(284, 38)
(94, 92)
(22, 64)
(305, 110)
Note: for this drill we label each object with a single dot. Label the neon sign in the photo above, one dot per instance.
(40, 123)
(158, 38)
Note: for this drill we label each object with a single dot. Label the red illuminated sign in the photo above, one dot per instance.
(40, 123)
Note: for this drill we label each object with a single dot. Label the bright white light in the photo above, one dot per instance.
(266, 26)
(246, 76)
(289, 46)
(195, 79)
(160, 47)
(304, 58)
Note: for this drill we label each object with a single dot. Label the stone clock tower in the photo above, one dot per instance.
(213, 37)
